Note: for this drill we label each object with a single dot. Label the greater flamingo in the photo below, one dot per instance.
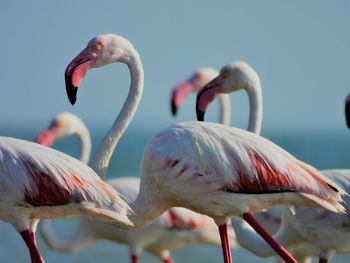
(38, 182)
(298, 226)
(270, 218)
(192, 85)
(206, 167)
(176, 228)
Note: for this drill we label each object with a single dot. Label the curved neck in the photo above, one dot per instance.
(225, 109)
(85, 143)
(286, 235)
(146, 208)
(255, 107)
(122, 121)
(249, 239)
(78, 240)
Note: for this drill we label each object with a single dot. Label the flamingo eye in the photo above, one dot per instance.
(225, 73)
(56, 124)
(98, 47)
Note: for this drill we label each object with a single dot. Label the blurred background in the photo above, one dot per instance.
(300, 49)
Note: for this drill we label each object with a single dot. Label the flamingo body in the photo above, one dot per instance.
(231, 163)
(37, 182)
(35, 179)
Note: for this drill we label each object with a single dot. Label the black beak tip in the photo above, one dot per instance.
(72, 98)
(173, 108)
(71, 90)
(347, 114)
(200, 115)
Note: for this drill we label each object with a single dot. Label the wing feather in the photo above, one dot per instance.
(33, 175)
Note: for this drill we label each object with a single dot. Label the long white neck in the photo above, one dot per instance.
(122, 121)
(225, 109)
(77, 241)
(85, 143)
(255, 106)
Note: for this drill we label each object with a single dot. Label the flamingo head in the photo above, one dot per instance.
(233, 77)
(63, 125)
(347, 110)
(193, 84)
(100, 51)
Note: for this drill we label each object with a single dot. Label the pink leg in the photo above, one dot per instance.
(29, 239)
(323, 260)
(33, 237)
(134, 258)
(280, 250)
(225, 243)
(168, 260)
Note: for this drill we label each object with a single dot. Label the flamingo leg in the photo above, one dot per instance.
(134, 258)
(29, 239)
(323, 260)
(168, 260)
(280, 250)
(33, 237)
(225, 243)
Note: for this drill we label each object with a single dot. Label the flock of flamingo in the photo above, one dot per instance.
(196, 177)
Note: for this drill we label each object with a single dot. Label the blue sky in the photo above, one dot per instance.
(300, 50)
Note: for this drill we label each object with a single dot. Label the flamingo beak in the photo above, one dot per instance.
(180, 93)
(48, 136)
(206, 95)
(77, 70)
(347, 110)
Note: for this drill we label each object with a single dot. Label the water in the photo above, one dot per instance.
(323, 150)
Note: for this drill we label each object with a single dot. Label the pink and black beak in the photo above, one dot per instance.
(206, 95)
(48, 136)
(77, 70)
(180, 92)
(347, 110)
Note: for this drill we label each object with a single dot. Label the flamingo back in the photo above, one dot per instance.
(32, 175)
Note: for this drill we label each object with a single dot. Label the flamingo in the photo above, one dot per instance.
(192, 85)
(37, 182)
(174, 229)
(210, 168)
(270, 218)
(298, 225)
